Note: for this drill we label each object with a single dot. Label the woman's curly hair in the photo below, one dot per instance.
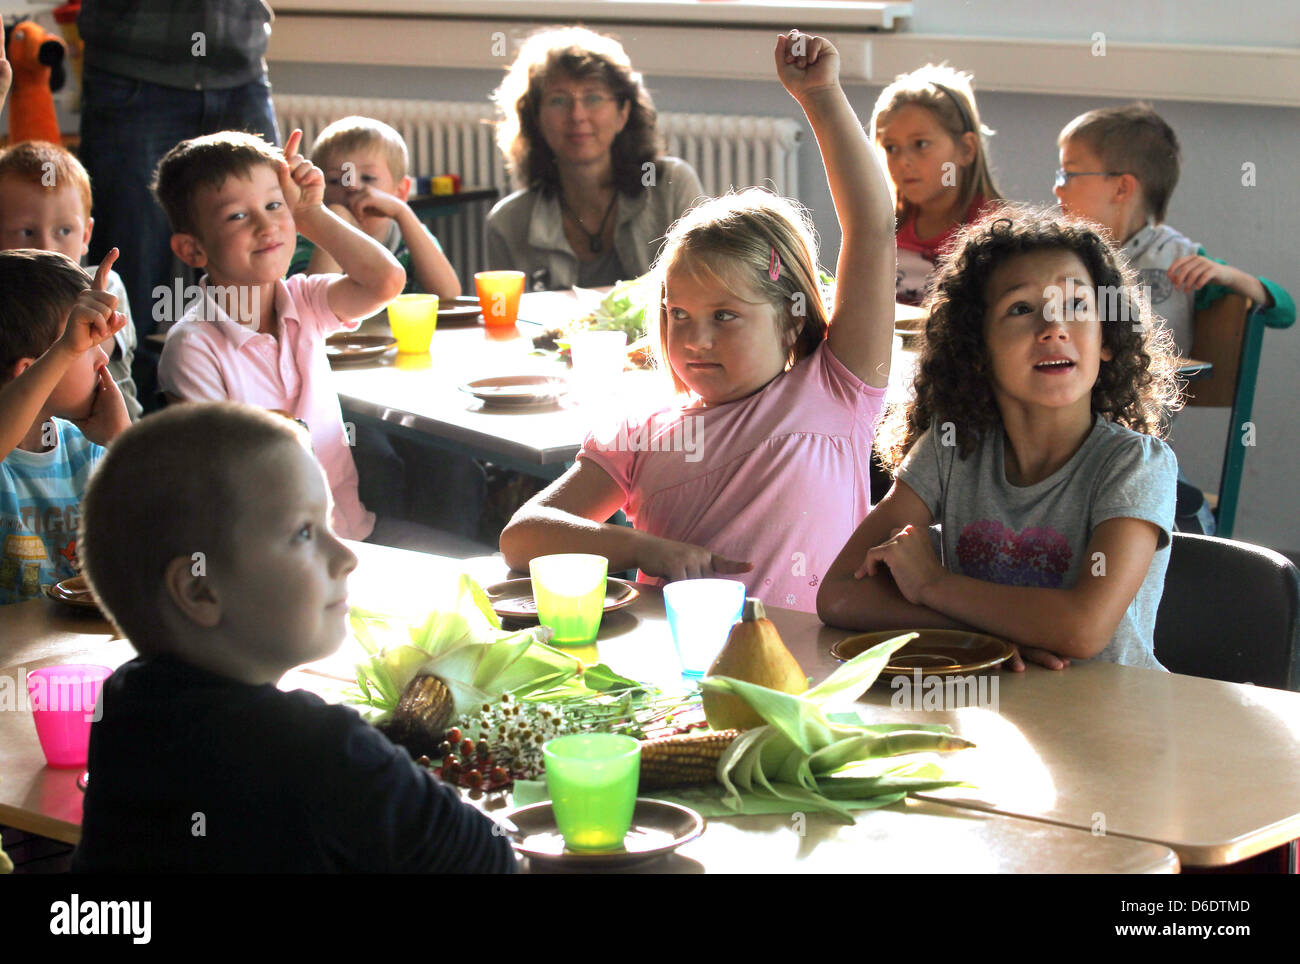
(1136, 388)
(580, 54)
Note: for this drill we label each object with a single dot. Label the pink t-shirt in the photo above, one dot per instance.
(219, 359)
(780, 479)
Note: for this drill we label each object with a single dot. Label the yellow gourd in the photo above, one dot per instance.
(754, 653)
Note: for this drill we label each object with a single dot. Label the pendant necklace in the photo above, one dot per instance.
(594, 241)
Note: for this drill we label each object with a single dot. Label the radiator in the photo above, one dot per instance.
(457, 138)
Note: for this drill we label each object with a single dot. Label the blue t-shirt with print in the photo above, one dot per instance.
(40, 508)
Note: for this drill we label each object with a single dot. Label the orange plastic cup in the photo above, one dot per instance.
(498, 295)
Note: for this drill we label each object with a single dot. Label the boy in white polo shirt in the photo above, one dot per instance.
(236, 206)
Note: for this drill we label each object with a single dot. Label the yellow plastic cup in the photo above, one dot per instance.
(498, 295)
(412, 319)
(569, 588)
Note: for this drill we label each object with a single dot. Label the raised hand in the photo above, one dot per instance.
(6, 71)
(93, 319)
(301, 181)
(806, 63)
(369, 202)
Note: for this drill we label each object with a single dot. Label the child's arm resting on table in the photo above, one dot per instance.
(862, 323)
(567, 516)
(91, 321)
(372, 278)
(860, 593)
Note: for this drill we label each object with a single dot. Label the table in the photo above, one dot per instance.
(913, 836)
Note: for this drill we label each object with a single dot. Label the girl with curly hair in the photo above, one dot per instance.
(928, 126)
(1033, 438)
(760, 469)
(577, 128)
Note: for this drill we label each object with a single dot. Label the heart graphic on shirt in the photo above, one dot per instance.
(1038, 557)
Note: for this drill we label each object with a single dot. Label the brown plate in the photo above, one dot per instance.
(464, 308)
(936, 652)
(347, 347)
(517, 391)
(72, 592)
(513, 598)
(658, 828)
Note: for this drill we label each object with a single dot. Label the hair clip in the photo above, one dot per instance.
(774, 265)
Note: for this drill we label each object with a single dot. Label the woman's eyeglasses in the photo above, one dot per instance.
(1063, 176)
(563, 103)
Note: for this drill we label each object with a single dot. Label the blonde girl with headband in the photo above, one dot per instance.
(760, 471)
(928, 125)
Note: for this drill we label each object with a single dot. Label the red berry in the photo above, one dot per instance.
(499, 775)
(482, 750)
(467, 749)
(454, 735)
(444, 748)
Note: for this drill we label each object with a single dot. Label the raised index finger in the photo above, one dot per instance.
(291, 146)
(101, 273)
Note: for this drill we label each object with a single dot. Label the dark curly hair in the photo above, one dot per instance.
(580, 54)
(1136, 388)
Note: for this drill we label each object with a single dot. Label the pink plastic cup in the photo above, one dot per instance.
(63, 701)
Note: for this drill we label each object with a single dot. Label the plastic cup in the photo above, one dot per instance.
(498, 295)
(569, 588)
(599, 357)
(412, 319)
(700, 614)
(63, 701)
(592, 779)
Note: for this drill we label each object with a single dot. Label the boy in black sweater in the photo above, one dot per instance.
(206, 538)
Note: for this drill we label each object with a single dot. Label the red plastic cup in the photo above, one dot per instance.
(63, 701)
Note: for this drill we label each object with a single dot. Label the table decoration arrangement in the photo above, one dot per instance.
(478, 703)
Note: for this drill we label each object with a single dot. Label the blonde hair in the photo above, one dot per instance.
(32, 161)
(732, 239)
(949, 95)
(350, 135)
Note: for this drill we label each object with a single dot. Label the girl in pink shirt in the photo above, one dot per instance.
(762, 471)
(928, 125)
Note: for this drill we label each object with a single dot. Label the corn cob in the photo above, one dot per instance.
(689, 760)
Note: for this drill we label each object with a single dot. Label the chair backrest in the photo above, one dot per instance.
(1220, 333)
(1230, 611)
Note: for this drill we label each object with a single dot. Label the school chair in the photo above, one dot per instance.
(1230, 611)
(1230, 335)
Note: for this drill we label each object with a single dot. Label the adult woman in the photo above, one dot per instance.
(577, 128)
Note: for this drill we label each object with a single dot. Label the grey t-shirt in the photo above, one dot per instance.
(1037, 535)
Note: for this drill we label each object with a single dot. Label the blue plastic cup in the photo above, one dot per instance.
(701, 613)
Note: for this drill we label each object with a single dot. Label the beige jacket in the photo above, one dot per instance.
(525, 231)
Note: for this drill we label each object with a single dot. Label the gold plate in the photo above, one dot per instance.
(463, 309)
(347, 347)
(935, 652)
(513, 599)
(72, 592)
(658, 828)
(516, 391)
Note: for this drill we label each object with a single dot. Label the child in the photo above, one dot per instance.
(235, 205)
(366, 185)
(764, 469)
(929, 128)
(207, 538)
(51, 323)
(1032, 440)
(1119, 167)
(45, 204)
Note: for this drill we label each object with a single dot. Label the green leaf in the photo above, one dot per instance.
(800, 720)
(855, 677)
(601, 678)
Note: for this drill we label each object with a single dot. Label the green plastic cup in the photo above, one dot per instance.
(569, 588)
(592, 779)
